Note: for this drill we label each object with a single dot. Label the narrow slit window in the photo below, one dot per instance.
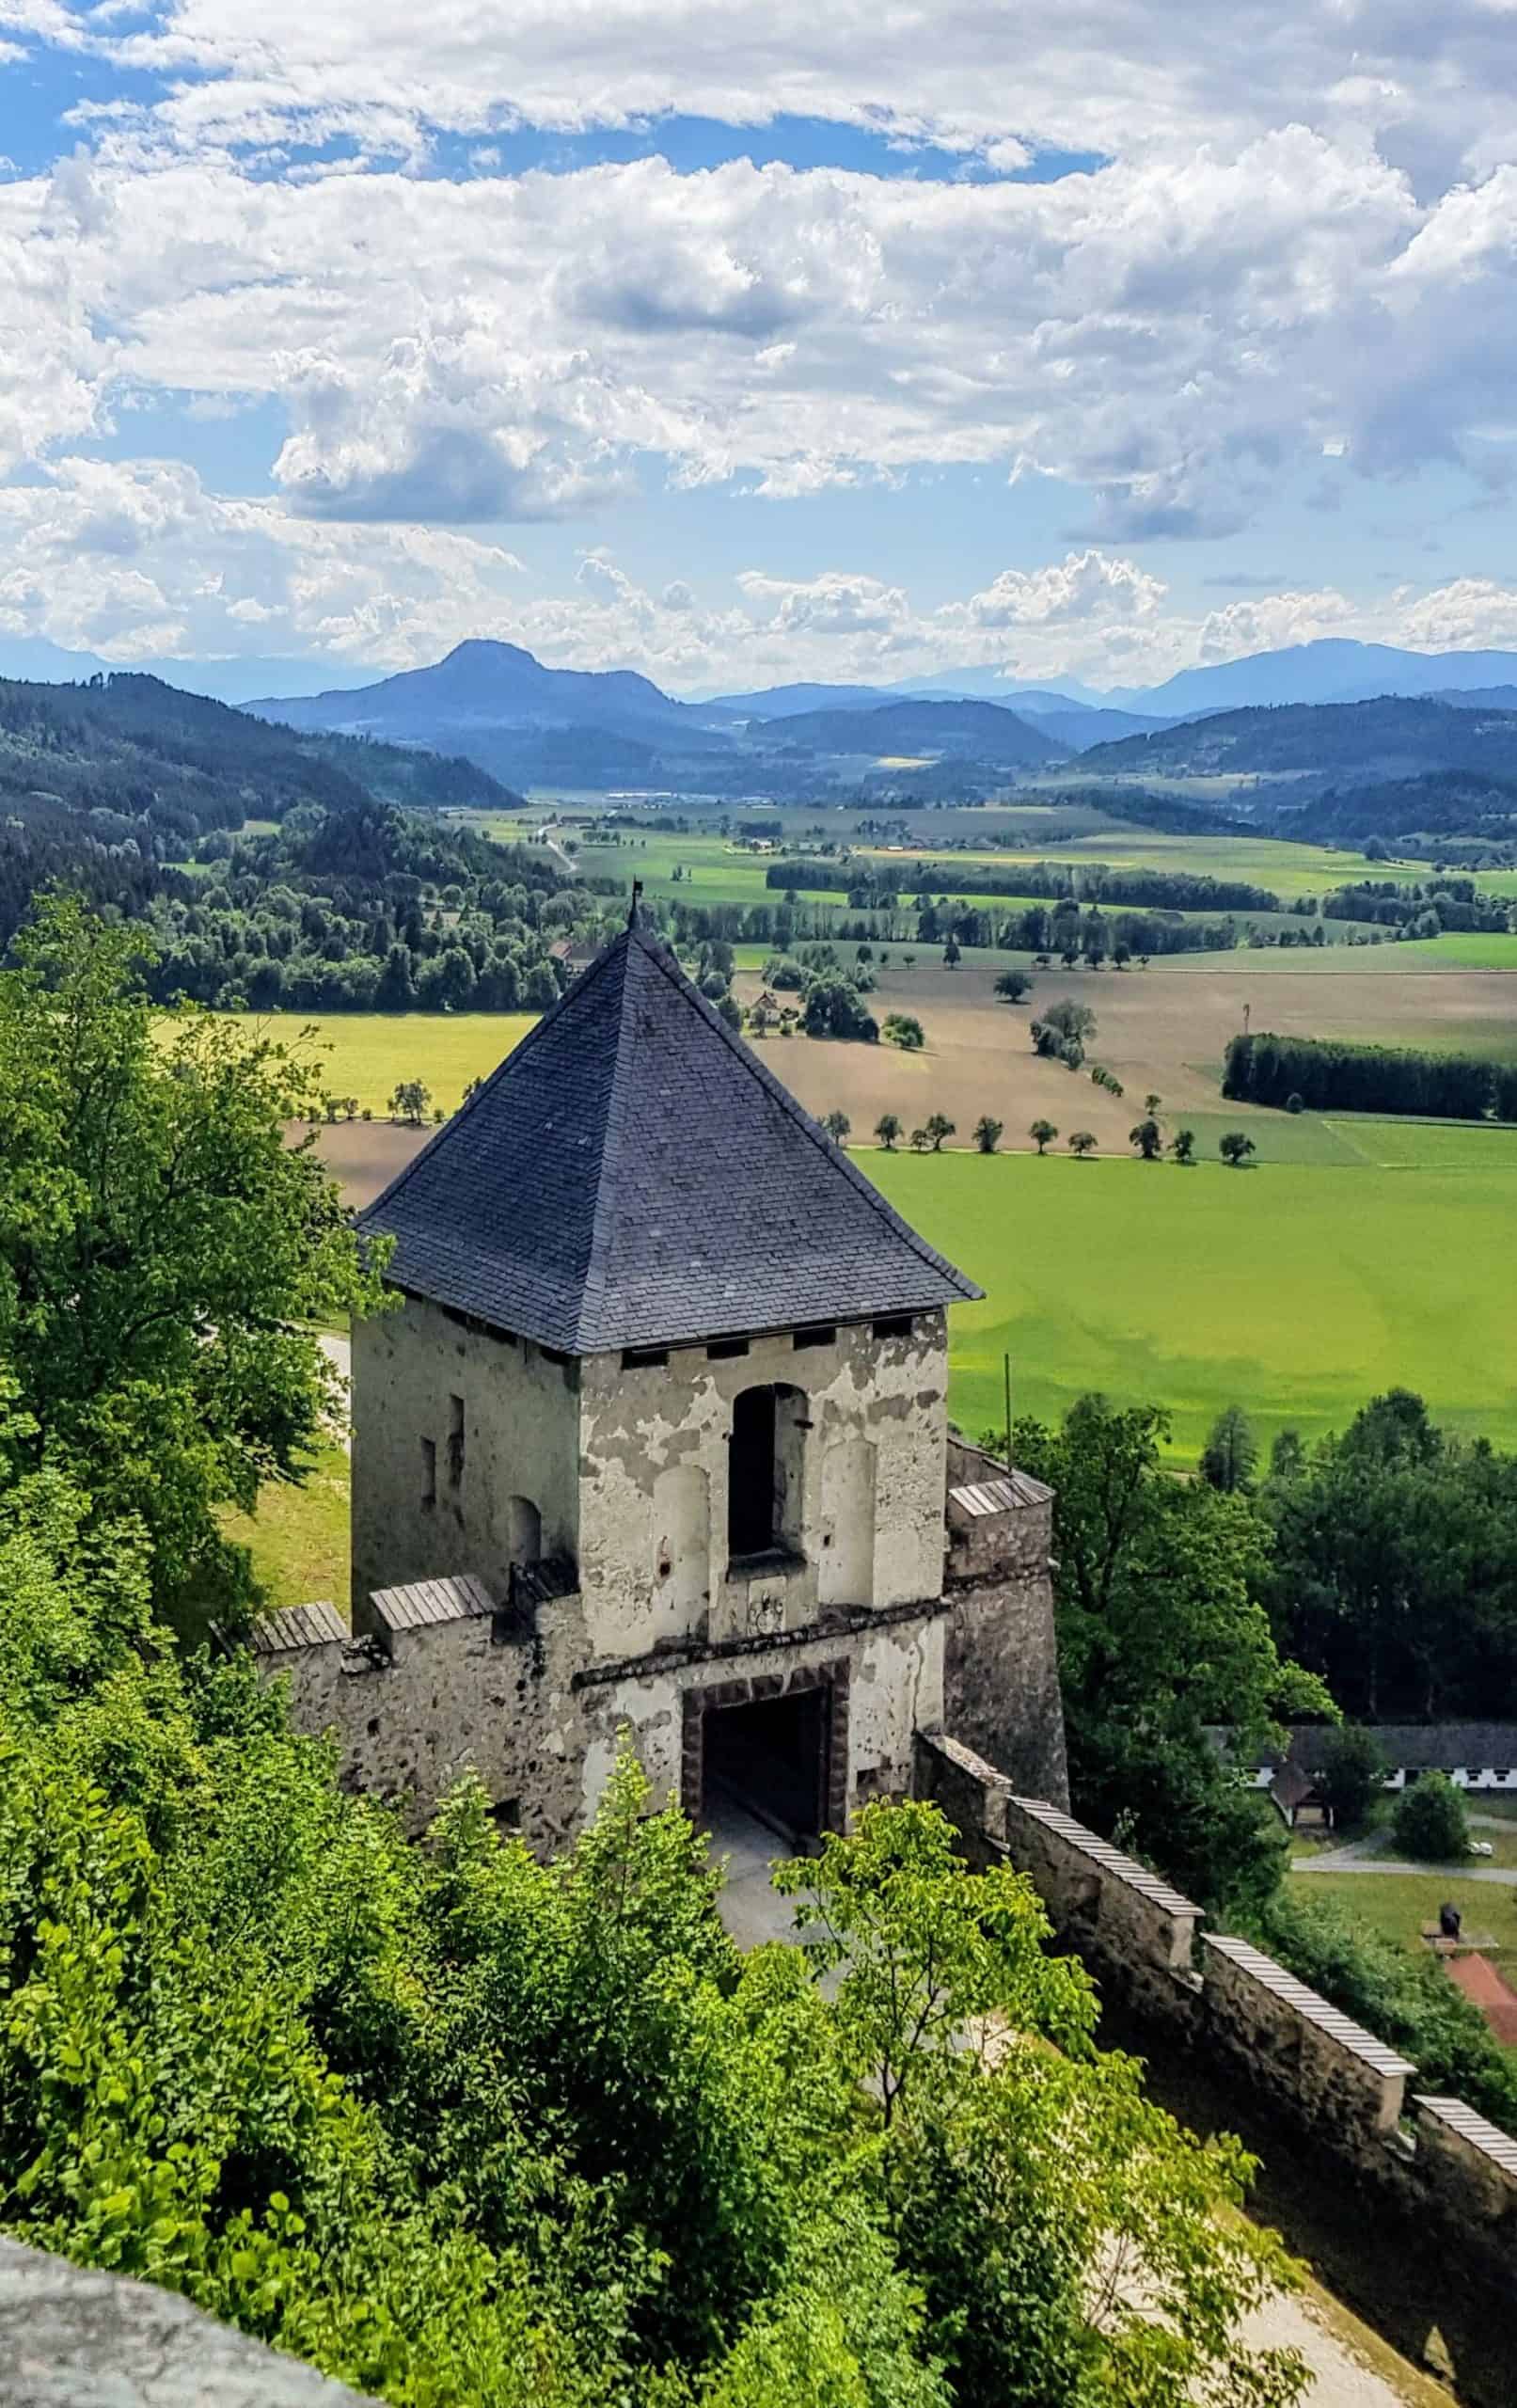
(455, 1442)
(429, 1471)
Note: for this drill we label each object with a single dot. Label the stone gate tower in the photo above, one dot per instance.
(657, 1438)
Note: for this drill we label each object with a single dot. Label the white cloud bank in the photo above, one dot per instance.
(1169, 337)
(136, 560)
(1305, 244)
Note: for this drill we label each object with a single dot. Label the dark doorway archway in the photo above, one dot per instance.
(775, 1748)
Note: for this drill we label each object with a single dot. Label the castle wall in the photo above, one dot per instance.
(864, 1484)
(1320, 2073)
(521, 1442)
(523, 1709)
(1001, 1672)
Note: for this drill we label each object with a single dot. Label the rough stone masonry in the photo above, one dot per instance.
(657, 1442)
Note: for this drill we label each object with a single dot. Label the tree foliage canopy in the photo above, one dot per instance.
(1161, 1631)
(164, 1253)
(472, 2132)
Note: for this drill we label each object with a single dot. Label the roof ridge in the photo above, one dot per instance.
(612, 1132)
(830, 1151)
(470, 1104)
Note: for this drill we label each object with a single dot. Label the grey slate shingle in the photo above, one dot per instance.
(633, 1176)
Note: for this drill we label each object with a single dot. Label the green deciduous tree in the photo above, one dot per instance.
(837, 1125)
(988, 1133)
(1042, 1133)
(939, 1126)
(1394, 1571)
(411, 1102)
(1070, 2243)
(1351, 1775)
(905, 1030)
(1161, 1634)
(163, 1250)
(1235, 1149)
(457, 2126)
(1230, 1457)
(1013, 985)
(888, 1129)
(1082, 1143)
(1182, 1146)
(1149, 1138)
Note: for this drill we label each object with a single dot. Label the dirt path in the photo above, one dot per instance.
(338, 1353)
(1350, 2366)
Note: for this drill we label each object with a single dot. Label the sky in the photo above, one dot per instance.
(741, 341)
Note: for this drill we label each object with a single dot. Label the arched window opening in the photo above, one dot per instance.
(766, 1471)
(523, 1532)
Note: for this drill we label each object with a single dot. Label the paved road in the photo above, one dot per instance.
(1501, 1877)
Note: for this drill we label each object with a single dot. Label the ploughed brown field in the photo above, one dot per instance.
(1165, 1028)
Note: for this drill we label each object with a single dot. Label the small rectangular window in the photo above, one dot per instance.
(644, 1358)
(824, 1335)
(554, 1354)
(893, 1325)
(721, 1350)
(455, 1442)
(429, 1471)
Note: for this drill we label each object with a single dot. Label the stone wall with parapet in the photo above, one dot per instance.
(1312, 2066)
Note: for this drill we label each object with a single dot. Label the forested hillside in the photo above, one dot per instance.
(272, 870)
(1393, 737)
(1460, 811)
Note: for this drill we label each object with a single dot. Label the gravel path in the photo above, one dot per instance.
(1341, 2378)
(1501, 1877)
(338, 1353)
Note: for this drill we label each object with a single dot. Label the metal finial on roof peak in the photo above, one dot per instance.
(632, 908)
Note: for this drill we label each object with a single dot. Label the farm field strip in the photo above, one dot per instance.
(1294, 1295)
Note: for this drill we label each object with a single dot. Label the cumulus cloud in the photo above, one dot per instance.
(1295, 243)
(1103, 76)
(1082, 586)
(1167, 337)
(135, 559)
(829, 605)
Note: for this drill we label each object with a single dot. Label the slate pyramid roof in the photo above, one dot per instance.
(633, 1176)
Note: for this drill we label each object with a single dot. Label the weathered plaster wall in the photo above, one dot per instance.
(876, 1415)
(894, 1684)
(521, 1439)
(516, 1707)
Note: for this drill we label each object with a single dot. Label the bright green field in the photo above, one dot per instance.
(368, 1053)
(1292, 1292)
(1455, 951)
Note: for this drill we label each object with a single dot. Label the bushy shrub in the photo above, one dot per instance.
(1431, 1822)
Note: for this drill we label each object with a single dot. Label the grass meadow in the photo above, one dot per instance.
(1400, 1906)
(1291, 1288)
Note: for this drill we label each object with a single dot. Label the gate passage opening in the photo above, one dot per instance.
(770, 1760)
